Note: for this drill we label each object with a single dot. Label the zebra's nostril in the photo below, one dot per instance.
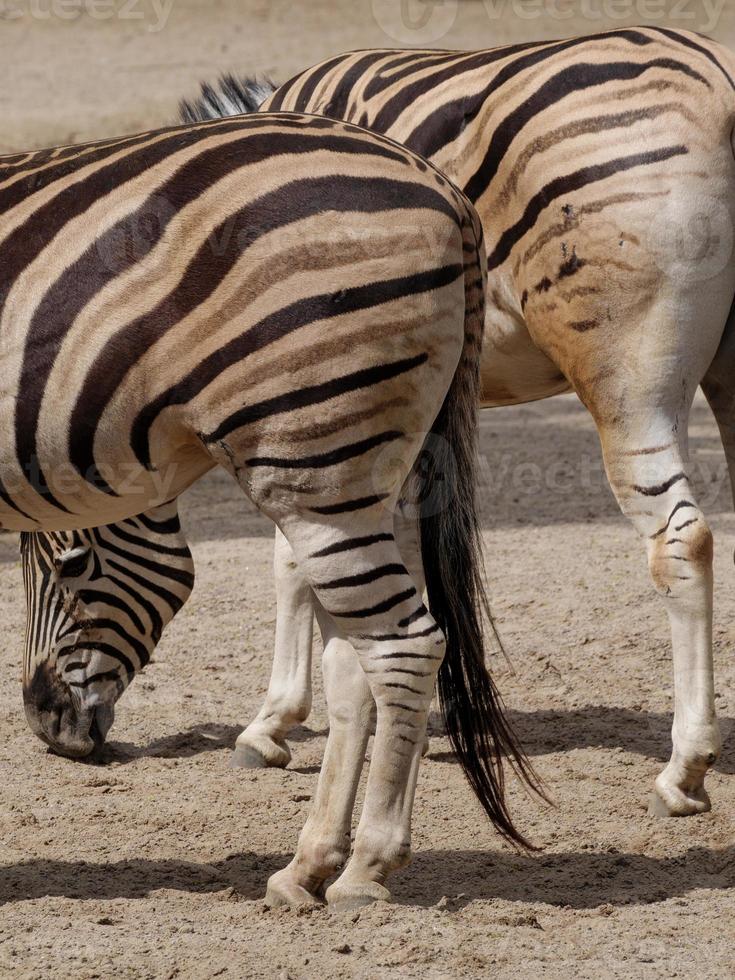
(102, 719)
(54, 722)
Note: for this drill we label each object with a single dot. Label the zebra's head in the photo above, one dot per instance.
(98, 602)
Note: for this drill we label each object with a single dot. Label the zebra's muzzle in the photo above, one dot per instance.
(63, 730)
(56, 716)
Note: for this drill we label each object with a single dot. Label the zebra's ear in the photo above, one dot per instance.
(72, 563)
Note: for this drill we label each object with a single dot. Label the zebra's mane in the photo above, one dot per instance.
(230, 96)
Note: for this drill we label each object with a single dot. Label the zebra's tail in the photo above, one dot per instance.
(230, 96)
(718, 384)
(451, 546)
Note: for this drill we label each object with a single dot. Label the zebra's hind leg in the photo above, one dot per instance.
(288, 701)
(648, 475)
(363, 584)
(637, 356)
(324, 843)
(401, 667)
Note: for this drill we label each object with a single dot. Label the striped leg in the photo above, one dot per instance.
(642, 415)
(288, 701)
(401, 677)
(636, 356)
(650, 482)
(407, 537)
(324, 844)
(399, 648)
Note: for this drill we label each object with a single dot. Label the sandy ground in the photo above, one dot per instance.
(153, 865)
(86, 69)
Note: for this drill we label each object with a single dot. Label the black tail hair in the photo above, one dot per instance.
(451, 548)
(719, 389)
(230, 96)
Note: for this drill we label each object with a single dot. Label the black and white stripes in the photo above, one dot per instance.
(298, 301)
(604, 174)
(98, 602)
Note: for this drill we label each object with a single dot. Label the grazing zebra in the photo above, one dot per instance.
(300, 302)
(127, 582)
(602, 169)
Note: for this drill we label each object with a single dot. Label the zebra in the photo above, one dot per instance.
(589, 160)
(300, 302)
(130, 579)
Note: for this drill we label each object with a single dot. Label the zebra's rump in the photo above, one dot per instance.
(161, 291)
(601, 167)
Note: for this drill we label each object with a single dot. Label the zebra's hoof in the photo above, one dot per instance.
(348, 898)
(676, 803)
(282, 891)
(246, 757)
(259, 752)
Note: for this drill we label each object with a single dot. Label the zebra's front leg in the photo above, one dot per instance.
(288, 701)
(650, 482)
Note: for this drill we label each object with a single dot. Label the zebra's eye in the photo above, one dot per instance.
(72, 564)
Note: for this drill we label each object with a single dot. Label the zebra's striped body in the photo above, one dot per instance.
(570, 150)
(602, 169)
(299, 301)
(123, 305)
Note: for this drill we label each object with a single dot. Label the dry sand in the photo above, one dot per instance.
(153, 865)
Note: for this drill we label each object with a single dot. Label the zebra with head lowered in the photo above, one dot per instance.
(602, 169)
(98, 601)
(304, 308)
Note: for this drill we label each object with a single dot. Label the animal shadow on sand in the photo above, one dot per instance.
(643, 733)
(193, 741)
(575, 879)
